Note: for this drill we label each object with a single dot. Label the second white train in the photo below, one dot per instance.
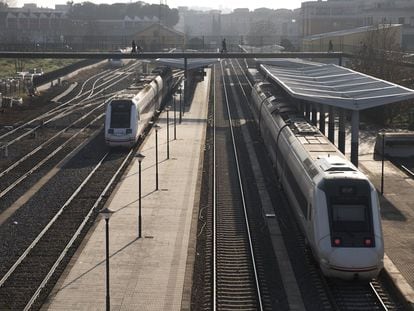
(128, 112)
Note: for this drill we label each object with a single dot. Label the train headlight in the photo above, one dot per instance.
(368, 242)
(128, 131)
(336, 242)
(110, 131)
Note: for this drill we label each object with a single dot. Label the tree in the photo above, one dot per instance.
(289, 47)
(4, 4)
(377, 56)
(90, 11)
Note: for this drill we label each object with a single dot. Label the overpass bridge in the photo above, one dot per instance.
(155, 55)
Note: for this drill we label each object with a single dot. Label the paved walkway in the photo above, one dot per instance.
(397, 210)
(148, 273)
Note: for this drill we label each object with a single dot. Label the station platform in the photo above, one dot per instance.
(397, 211)
(153, 272)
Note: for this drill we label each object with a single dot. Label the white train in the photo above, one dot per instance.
(336, 205)
(120, 62)
(128, 112)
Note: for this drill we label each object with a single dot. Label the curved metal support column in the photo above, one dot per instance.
(355, 137)
(331, 125)
(322, 116)
(314, 115)
(341, 132)
(307, 111)
(185, 85)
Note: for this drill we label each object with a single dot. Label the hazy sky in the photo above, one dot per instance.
(215, 4)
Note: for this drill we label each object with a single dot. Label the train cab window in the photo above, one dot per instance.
(350, 213)
(351, 226)
(349, 217)
(120, 114)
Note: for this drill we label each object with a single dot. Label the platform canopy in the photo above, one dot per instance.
(337, 86)
(192, 63)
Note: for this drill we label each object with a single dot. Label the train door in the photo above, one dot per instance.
(309, 218)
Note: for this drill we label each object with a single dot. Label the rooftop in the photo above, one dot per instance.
(337, 86)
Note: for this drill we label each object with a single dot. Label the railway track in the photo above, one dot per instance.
(22, 285)
(235, 279)
(362, 295)
(63, 135)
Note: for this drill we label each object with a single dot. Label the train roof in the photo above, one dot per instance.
(309, 136)
(134, 89)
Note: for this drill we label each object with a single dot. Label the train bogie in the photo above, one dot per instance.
(335, 204)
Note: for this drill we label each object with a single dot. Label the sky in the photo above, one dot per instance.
(214, 4)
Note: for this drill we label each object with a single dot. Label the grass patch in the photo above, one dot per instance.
(9, 66)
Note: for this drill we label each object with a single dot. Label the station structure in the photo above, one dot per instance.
(318, 89)
(321, 88)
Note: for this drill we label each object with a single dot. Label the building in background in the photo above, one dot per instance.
(30, 28)
(259, 27)
(326, 16)
(350, 40)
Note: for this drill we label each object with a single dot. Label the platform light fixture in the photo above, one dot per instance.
(167, 109)
(107, 213)
(157, 128)
(140, 158)
(175, 119)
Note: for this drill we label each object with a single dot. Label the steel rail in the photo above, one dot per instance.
(384, 307)
(214, 196)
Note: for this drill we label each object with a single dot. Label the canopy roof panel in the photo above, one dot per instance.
(191, 63)
(337, 86)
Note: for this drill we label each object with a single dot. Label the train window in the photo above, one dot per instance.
(348, 212)
(120, 114)
(350, 218)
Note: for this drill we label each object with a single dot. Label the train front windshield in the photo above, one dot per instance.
(120, 114)
(349, 217)
(349, 208)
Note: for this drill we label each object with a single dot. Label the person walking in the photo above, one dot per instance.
(330, 47)
(134, 47)
(223, 46)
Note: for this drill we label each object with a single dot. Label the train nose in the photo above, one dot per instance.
(353, 258)
(362, 262)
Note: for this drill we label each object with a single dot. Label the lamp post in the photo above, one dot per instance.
(181, 110)
(382, 164)
(107, 213)
(168, 132)
(156, 127)
(140, 157)
(175, 119)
